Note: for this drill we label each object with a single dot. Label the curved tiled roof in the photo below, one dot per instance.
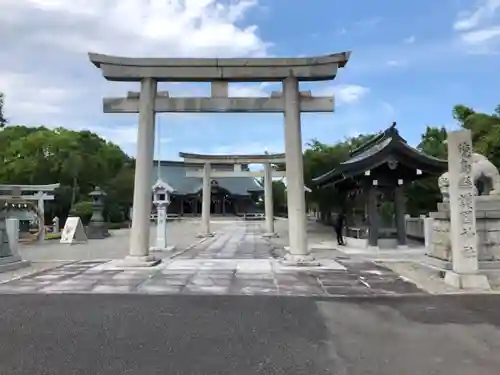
(373, 152)
(174, 173)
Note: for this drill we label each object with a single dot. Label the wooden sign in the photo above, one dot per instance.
(73, 231)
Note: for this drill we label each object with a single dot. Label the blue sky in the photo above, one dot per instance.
(411, 63)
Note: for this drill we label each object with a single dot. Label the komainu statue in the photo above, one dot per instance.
(484, 173)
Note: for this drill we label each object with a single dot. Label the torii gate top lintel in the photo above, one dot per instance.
(29, 188)
(234, 159)
(268, 69)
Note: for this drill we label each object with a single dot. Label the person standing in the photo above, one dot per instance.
(339, 226)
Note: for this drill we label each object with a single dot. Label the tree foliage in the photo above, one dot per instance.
(79, 161)
(320, 158)
(3, 120)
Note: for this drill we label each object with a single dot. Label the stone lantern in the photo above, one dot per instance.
(97, 227)
(161, 199)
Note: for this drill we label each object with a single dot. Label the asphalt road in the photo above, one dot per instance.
(139, 334)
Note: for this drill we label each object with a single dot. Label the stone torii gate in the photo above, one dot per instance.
(219, 72)
(39, 193)
(238, 161)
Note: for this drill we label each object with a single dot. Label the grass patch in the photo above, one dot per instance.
(53, 236)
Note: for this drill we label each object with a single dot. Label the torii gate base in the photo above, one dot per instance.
(132, 261)
(299, 260)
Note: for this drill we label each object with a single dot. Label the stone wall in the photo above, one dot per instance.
(415, 228)
(487, 227)
(440, 243)
(488, 232)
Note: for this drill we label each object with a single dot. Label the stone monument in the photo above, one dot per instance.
(486, 190)
(56, 227)
(161, 199)
(97, 227)
(455, 236)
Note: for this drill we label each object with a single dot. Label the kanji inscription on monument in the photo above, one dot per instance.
(462, 203)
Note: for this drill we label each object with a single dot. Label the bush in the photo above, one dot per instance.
(122, 225)
(113, 213)
(83, 210)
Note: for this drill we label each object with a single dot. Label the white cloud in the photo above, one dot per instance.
(252, 90)
(479, 28)
(410, 40)
(396, 63)
(485, 11)
(481, 36)
(31, 99)
(140, 27)
(45, 73)
(345, 94)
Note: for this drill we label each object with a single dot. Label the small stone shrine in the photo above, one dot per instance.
(97, 228)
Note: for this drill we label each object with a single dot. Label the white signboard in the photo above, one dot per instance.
(73, 231)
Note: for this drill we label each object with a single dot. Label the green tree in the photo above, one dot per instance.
(77, 160)
(120, 191)
(3, 120)
(433, 142)
(485, 129)
(423, 195)
(279, 197)
(320, 158)
(461, 113)
(83, 210)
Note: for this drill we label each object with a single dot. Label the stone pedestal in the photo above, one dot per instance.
(466, 281)
(161, 229)
(10, 259)
(97, 228)
(487, 228)
(299, 260)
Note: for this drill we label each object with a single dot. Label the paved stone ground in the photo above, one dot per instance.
(237, 261)
(228, 335)
(181, 233)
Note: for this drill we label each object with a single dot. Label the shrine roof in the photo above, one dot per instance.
(174, 173)
(383, 147)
